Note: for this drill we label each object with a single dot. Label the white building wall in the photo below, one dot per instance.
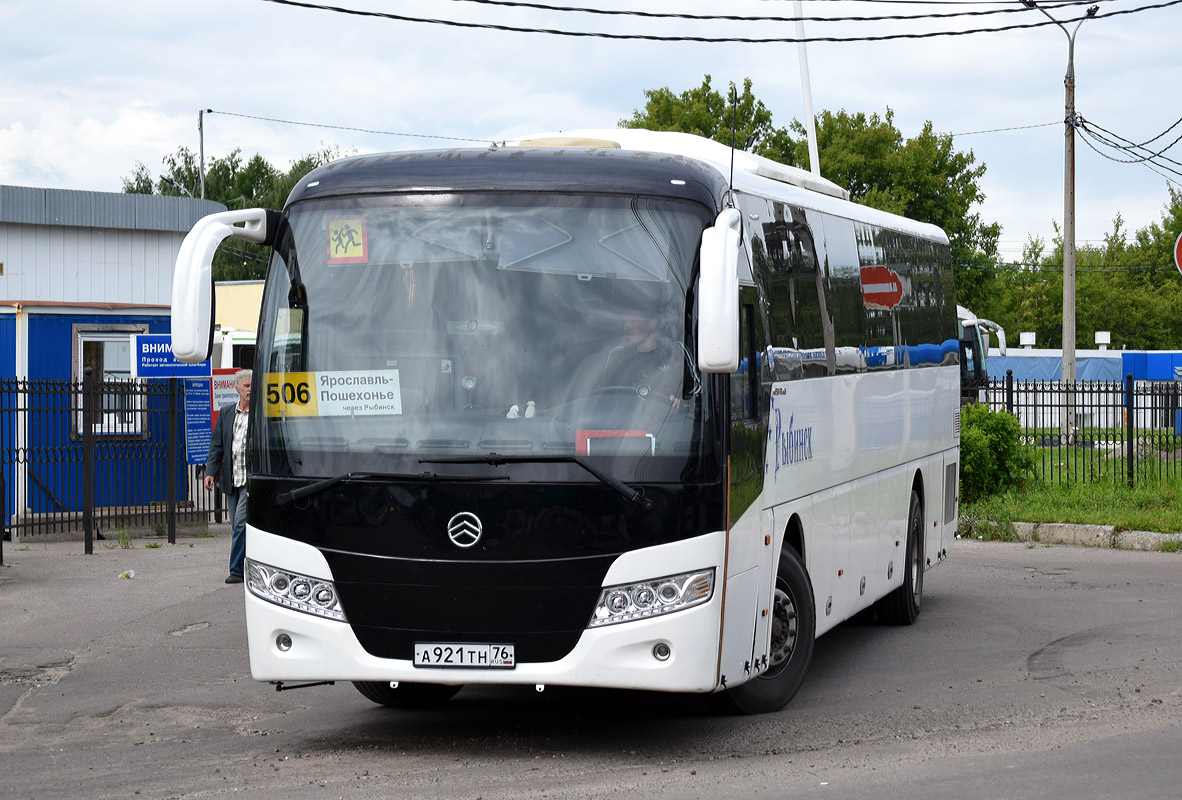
(63, 246)
(86, 265)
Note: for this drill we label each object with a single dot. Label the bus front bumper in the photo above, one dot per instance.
(677, 652)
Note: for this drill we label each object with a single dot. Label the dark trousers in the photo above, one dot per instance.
(236, 510)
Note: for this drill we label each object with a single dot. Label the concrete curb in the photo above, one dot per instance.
(1094, 536)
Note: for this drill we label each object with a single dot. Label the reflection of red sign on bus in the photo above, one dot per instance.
(583, 439)
(881, 288)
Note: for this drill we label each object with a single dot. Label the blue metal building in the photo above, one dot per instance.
(80, 272)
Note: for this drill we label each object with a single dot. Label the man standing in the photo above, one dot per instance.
(227, 460)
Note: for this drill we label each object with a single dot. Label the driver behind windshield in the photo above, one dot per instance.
(646, 361)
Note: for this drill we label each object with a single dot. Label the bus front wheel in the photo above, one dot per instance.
(792, 637)
(407, 695)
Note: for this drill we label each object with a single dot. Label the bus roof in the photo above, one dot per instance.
(513, 169)
(690, 146)
(752, 173)
(610, 160)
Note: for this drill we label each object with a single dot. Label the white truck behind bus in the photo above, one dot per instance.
(974, 351)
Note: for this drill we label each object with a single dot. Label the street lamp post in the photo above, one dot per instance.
(1069, 122)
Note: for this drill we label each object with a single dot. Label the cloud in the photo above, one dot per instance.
(115, 85)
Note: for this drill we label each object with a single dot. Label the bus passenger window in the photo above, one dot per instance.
(745, 382)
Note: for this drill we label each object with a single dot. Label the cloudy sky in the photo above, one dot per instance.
(89, 88)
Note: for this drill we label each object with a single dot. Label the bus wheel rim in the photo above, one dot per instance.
(785, 628)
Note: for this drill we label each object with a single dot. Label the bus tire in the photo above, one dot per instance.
(902, 606)
(794, 625)
(407, 695)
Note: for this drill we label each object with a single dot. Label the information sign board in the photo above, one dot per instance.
(152, 357)
(198, 428)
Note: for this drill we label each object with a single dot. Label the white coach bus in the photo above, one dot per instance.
(602, 408)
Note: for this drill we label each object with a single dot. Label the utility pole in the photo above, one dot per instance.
(1069, 122)
(201, 144)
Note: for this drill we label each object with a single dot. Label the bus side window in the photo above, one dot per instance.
(745, 382)
(747, 435)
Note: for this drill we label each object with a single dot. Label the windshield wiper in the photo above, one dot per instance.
(328, 483)
(496, 460)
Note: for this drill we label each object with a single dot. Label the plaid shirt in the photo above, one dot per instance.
(238, 451)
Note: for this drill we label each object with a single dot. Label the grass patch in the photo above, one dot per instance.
(152, 545)
(1150, 506)
(118, 539)
(990, 519)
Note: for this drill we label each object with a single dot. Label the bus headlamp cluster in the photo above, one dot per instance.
(647, 599)
(291, 590)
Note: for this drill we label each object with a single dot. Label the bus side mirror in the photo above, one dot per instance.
(192, 281)
(718, 294)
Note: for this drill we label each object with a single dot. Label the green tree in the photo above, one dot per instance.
(924, 177)
(139, 181)
(234, 183)
(705, 112)
(1127, 285)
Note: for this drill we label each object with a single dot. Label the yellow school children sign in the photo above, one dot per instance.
(347, 241)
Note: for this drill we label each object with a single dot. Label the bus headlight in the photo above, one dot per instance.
(647, 599)
(292, 590)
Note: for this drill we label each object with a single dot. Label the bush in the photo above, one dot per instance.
(992, 458)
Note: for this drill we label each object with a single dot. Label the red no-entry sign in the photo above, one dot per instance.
(1178, 253)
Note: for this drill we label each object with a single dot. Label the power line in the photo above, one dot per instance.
(241, 252)
(700, 39)
(1019, 9)
(1153, 161)
(1015, 128)
(1089, 135)
(1051, 6)
(1160, 135)
(1057, 269)
(346, 128)
(1150, 165)
(1128, 146)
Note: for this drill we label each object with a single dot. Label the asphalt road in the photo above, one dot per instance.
(1033, 672)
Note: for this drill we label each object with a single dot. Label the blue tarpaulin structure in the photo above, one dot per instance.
(1090, 365)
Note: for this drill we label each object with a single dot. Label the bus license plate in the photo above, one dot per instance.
(468, 656)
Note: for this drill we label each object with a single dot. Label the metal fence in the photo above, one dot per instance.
(107, 458)
(1092, 431)
(104, 459)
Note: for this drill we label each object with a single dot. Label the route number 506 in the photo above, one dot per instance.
(290, 394)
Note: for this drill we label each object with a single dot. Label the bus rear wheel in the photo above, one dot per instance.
(407, 695)
(793, 633)
(901, 607)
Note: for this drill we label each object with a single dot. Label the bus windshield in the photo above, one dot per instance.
(409, 334)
